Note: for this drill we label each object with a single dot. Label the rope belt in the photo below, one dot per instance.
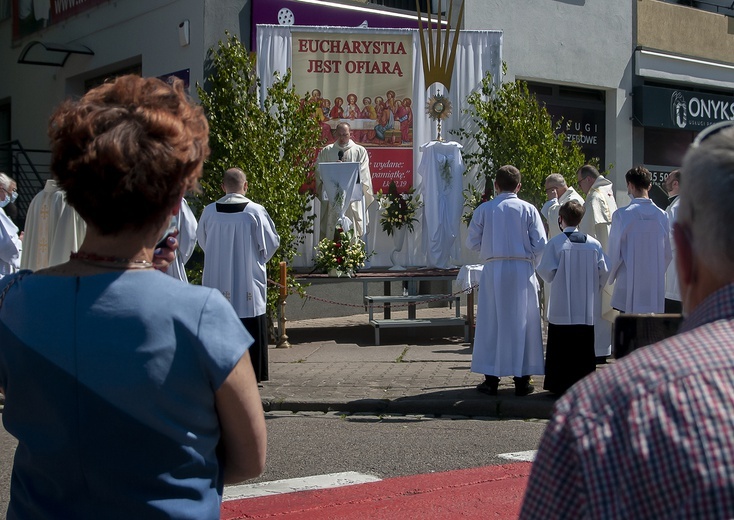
(496, 258)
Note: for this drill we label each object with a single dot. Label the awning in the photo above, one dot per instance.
(51, 54)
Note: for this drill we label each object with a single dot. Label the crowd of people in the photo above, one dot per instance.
(599, 261)
(165, 395)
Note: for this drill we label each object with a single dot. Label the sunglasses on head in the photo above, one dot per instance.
(711, 130)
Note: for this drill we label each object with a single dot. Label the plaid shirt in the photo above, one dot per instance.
(652, 436)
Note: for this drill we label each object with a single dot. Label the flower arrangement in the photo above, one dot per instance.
(472, 199)
(399, 209)
(345, 254)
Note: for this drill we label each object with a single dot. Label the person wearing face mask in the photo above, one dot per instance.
(10, 243)
(599, 207)
(639, 249)
(574, 266)
(651, 435)
(11, 210)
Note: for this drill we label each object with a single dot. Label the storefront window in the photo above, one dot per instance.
(666, 147)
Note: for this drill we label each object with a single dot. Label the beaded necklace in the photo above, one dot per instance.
(111, 262)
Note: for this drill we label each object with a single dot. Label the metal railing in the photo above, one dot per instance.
(30, 168)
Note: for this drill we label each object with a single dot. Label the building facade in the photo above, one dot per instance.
(637, 78)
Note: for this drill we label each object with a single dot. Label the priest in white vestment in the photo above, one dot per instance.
(11, 245)
(509, 235)
(575, 268)
(53, 229)
(186, 226)
(238, 238)
(672, 285)
(639, 249)
(442, 172)
(344, 149)
(599, 206)
(558, 193)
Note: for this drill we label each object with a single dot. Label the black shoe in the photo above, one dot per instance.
(523, 386)
(487, 388)
(522, 391)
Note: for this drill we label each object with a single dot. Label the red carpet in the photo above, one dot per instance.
(488, 492)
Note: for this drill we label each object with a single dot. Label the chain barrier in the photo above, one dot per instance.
(391, 306)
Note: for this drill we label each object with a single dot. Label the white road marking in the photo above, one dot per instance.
(291, 485)
(521, 456)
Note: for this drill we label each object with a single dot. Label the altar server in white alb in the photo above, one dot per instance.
(53, 229)
(575, 267)
(672, 285)
(344, 149)
(639, 249)
(238, 238)
(509, 235)
(11, 245)
(558, 193)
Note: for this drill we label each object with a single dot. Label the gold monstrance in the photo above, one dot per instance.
(438, 108)
(438, 57)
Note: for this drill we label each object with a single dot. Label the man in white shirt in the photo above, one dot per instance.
(639, 249)
(597, 222)
(672, 286)
(509, 235)
(346, 150)
(575, 267)
(238, 238)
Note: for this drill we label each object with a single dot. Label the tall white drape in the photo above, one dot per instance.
(478, 52)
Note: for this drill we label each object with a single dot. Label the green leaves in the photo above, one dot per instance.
(274, 141)
(509, 126)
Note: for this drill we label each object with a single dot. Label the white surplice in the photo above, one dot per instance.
(11, 246)
(576, 272)
(509, 235)
(639, 254)
(53, 229)
(186, 223)
(357, 211)
(236, 247)
(441, 170)
(599, 207)
(672, 285)
(550, 211)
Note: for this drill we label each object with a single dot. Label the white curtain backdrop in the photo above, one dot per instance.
(477, 53)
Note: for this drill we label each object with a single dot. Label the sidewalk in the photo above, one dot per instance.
(333, 365)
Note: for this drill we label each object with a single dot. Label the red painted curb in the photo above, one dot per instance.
(490, 491)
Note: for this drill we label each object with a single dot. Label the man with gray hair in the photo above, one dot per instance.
(651, 435)
(558, 193)
(10, 243)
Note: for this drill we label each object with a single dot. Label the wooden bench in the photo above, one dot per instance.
(412, 320)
